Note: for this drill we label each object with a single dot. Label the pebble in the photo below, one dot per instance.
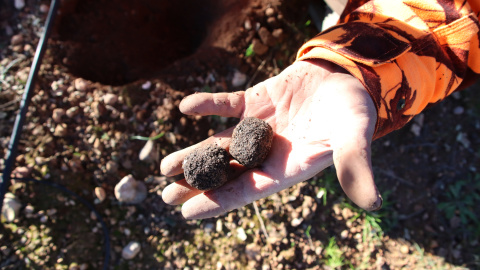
(44, 8)
(16, 39)
(129, 190)
(270, 12)
(111, 167)
(147, 85)
(71, 112)
(266, 37)
(258, 47)
(19, 4)
(11, 207)
(247, 25)
(296, 222)
(404, 249)
(80, 84)
(110, 99)
(131, 250)
(148, 152)
(241, 234)
(458, 110)
(100, 193)
(57, 115)
(60, 130)
(239, 79)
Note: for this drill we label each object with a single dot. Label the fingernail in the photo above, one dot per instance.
(378, 204)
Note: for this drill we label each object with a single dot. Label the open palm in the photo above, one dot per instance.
(320, 115)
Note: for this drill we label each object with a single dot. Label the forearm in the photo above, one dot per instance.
(404, 56)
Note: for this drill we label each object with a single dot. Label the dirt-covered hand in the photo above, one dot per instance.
(320, 116)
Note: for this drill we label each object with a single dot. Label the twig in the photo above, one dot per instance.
(392, 175)
(262, 225)
(8, 103)
(260, 67)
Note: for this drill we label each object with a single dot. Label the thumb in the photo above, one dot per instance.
(352, 159)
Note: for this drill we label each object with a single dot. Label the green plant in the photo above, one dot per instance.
(328, 185)
(249, 51)
(462, 199)
(333, 255)
(142, 138)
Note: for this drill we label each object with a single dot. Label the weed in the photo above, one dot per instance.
(142, 138)
(249, 51)
(462, 198)
(328, 185)
(333, 255)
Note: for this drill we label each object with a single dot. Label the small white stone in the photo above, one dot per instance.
(296, 222)
(80, 84)
(147, 85)
(100, 193)
(239, 79)
(19, 4)
(11, 207)
(148, 152)
(129, 190)
(110, 99)
(131, 250)
(44, 8)
(241, 234)
(458, 110)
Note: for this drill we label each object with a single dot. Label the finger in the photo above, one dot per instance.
(172, 164)
(352, 159)
(223, 104)
(180, 191)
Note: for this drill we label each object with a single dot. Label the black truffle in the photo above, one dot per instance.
(251, 141)
(206, 167)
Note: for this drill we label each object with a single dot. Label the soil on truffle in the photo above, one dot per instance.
(206, 168)
(251, 141)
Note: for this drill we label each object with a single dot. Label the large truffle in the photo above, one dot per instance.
(206, 167)
(251, 141)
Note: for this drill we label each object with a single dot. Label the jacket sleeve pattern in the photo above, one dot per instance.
(408, 54)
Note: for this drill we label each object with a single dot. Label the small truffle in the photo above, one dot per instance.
(251, 142)
(206, 168)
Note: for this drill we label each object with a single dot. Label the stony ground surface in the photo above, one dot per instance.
(89, 137)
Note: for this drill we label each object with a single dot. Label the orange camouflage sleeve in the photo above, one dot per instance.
(408, 54)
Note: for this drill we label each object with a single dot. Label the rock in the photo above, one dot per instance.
(309, 206)
(148, 152)
(16, 39)
(44, 8)
(458, 110)
(258, 47)
(270, 12)
(147, 85)
(131, 250)
(253, 252)
(278, 34)
(19, 4)
(21, 172)
(80, 84)
(241, 234)
(71, 112)
(11, 207)
(61, 130)
(239, 79)
(110, 99)
(288, 254)
(247, 25)
(100, 194)
(129, 190)
(111, 167)
(266, 37)
(404, 249)
(57, 115)
(296, 222)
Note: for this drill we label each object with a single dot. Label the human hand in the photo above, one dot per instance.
(320, 116)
